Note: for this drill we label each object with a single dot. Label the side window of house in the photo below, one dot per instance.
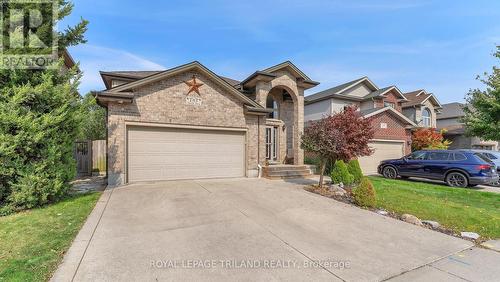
(426, 117)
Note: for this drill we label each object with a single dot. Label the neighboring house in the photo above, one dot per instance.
(449, 120)
(384, 105)
(422, 108)
(188, 122)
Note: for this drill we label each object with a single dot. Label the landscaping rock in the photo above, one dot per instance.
(433, 224)
(337, 190)
(382, 212)
(469, 235)
(411, 219)
(492, 245)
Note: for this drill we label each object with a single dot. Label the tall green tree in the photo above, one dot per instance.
(93, 125)
(39, 122)
(482, 114)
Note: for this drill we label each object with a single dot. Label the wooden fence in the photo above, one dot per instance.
(99, 155)
(90, 156)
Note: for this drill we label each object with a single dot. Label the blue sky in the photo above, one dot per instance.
(439, 46)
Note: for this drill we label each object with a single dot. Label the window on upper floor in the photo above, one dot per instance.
(272, 104)
(389, 104)
(426, 117)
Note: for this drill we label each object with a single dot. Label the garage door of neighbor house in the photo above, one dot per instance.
(383, 150)
(156, 153)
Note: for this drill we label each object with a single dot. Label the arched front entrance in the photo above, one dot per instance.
(281, 142)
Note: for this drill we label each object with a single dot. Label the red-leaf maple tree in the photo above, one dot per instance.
(344, 135)
(427, 139)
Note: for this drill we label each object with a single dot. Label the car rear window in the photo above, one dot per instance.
(491, 156)
(482, 157)
(438, 156)
(459, 157)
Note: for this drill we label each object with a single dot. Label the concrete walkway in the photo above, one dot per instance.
(248, 229)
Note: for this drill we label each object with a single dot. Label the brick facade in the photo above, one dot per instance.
(390, 97)
(163, 102)
(396, 129)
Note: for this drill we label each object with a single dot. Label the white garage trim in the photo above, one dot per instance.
(185, 126)
(129, 124)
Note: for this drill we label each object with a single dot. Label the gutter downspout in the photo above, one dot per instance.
(258, 148)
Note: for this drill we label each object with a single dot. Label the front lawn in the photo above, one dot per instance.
(458, 209)
(32, 243)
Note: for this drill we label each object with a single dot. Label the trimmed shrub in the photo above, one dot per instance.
(340, 173)
(355, 170)
(364, 195)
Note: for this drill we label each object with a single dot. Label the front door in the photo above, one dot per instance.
(271, 143)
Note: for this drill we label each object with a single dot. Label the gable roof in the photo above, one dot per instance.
(150, 77)
(419, 97)
(452, 110)
(289, 65)
(336, 90)
(375, 111)
(302, 79)
(107, 76)
(384, 91)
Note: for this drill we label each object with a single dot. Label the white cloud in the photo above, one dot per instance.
(95, 58)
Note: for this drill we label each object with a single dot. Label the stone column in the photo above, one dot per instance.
(298, 128)
(261, 91)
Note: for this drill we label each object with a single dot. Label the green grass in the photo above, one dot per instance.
(32, 243)
(458, 209)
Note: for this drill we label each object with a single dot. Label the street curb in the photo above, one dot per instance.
(71, 261)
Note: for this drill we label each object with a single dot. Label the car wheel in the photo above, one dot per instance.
(390, 172)
(457, 179)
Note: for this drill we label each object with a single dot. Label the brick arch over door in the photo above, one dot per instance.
(288, 82)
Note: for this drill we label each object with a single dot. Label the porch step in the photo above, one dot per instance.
(286, 171)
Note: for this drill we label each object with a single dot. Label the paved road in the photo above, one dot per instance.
(250, 229)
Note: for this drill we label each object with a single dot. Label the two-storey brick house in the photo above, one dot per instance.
(384, 105)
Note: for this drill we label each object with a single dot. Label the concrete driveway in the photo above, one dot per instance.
(246, 229)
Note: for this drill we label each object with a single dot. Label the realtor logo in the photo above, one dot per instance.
(28, 34)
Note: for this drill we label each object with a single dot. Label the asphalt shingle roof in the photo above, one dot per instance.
(451, 110)
(143, 74)
(377, 92)
(368, 111)
(334, 90)
(414, 98)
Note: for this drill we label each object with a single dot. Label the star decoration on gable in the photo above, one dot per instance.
(194, 86)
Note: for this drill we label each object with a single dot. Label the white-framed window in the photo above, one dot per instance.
(389, 104)
(426, 117)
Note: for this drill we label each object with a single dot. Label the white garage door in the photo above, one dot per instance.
(383, 150)
(173, 153)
